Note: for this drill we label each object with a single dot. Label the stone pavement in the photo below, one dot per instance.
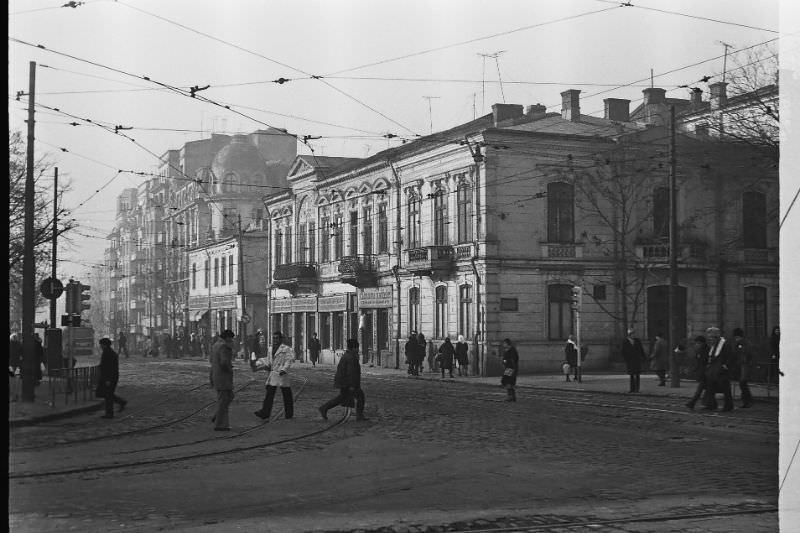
(50, 404)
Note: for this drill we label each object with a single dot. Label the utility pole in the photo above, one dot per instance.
(55, 249)
(243, 321)
(675, 379)
(29, 361)
(430, 110)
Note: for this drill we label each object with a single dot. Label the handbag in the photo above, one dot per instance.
(508, 372)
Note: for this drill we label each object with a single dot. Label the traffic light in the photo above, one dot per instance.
(577, 296)
(83, 304)
(70, 292)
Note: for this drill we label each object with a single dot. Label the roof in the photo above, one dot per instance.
(587, 126)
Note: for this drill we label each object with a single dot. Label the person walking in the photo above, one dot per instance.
(659, 359)
(278, 365)
(775, 351)
(38, 351)
(348, 381)
(700, 363)
(634, 356)
(571, 355)
(745, 360)
(14, 354)
(108, 378)
(122, 343)
(510, 369)
(462, 356)
(221, 359)
(314, 347)
(411, 349)
(445, 356)
(718, 371)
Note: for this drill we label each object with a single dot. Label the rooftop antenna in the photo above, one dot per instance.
(725, 60)
(430, 110)
(494, 55)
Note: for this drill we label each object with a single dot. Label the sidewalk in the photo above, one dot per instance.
(31, 413)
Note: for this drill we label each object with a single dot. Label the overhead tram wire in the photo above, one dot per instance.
(262, 56)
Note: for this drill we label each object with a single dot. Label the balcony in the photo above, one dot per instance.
(659, 253)
(295, 277)
(427, 260)
(358, 270)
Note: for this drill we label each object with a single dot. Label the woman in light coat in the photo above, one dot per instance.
(277, 364)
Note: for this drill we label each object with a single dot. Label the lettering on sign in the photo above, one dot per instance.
(337, 302)
(372, 298)
(283, 305)
(307, 305)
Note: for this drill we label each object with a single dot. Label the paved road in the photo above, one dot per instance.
(434, 456)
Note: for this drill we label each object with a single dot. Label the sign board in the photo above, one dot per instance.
(283, 305)
(372, 298)
(307, 305)
(337, 302)
(51, 288)
(80, 341)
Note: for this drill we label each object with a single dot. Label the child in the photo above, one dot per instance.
(566, 369)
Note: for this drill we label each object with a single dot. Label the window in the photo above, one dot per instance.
(560, 215)
(338, 237)
(440, 218)
(559, 311)
(325, 240)
(194, 275)
(464, 311)
(325, 330)
(216, 271)
(224, 262)
(278, 247)
(661, 212)
(312, 242)
(206, 274)
(353, 250)
(754, 220)
(413, 309)
(413, 222)
(383, 229)
(288, 244)
(229, 183)
(755, 312)
(440, 322)
(464, 201)
(302, 247)
(367, 215)
(230, 269)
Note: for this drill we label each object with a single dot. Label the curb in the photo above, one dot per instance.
(23, 422)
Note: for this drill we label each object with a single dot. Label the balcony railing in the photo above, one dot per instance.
(358, 270)
(424, 261)
(660, 252)
(294, 276)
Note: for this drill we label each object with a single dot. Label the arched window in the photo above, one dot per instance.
(559, 311)
(440, 320)
(560, 212)
(229, 183)
(413, 309)
(367, 217)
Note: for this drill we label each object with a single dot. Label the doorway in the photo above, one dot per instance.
(658, 312)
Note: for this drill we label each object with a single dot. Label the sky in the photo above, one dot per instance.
(401, 68)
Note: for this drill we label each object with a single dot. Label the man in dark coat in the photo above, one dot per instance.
(348, 381)
(445, 356)
(314, 347)
(221, 360)
(109, 377)
(745, 359)
(510, 370)
(634, 356)
(700, 363)
(719, 370)
(411, 350)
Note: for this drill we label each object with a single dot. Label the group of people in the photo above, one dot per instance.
(277, 361)
(15, 356)
(446, 358)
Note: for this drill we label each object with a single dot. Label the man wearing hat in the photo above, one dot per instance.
(719, 369)
(222, 378)
(745, 360)
(634, 356)
(109, 376)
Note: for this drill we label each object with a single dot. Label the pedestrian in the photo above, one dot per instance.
(445, 356)
(634, 356)
(700, 363)
(221, 359)
(659, 359)
(39, 358)
(314, 347)
(411, 350)
(348, 381)
(277, 364)
(718, 371)
(108, 378)
(510, 369)
(775, 349)
(462, 356)
(122, 343)
(421, 351)
(571, 355)
(14, 354)
(745, 360)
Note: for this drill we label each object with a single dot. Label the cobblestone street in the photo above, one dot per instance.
(433, 456)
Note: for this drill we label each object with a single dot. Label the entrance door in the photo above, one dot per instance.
(366, 335)
(299, 339)
(658, 312)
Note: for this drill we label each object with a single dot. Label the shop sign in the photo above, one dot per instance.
(372, 298)
(337, 302)
(304, 305)
(283, 305)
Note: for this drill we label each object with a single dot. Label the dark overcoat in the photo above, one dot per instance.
(633, 354)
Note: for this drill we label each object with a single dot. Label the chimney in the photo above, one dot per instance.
(655, 106)
(719, 95)
(570, 105)
(536, 111)
(617, 109)
(503, 112)
(696, 97)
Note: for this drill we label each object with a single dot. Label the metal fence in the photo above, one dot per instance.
(73, 384)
